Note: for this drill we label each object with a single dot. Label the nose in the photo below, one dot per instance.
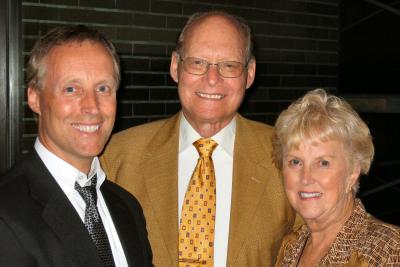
(306, 176)
(212, 75)
(90, 103)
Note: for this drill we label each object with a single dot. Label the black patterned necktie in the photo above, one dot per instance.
(93, 222)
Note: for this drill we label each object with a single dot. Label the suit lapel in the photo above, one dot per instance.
(124, 224)
(248, 187)
(160, 164)
(60, 215)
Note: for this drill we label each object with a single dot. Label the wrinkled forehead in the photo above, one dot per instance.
(215, 28)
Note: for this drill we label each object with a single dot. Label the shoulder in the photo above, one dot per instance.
(117, 196)
(259, 131)
(254, 130)
(140, 129)
(126, 147)
(135, 139)
(117, 191)
(381, 242)
(256, 136)
(257, 127)
(138, 133)
(383, 233)
(13, 179)
(14, 188)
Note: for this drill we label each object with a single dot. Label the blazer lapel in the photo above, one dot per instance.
(160, 164)
(247, 189)
(60, 215)
(124, 224)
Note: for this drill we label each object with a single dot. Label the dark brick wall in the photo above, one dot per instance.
(296, 43)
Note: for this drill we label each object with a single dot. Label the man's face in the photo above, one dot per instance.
(211, 98)
(77, 102)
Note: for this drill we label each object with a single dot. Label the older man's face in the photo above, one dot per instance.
(212, 98)
(77, 102)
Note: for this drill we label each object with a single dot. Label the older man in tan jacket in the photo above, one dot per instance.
(213, 65)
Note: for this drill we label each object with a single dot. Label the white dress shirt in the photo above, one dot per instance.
(223, 164)
(66, 175)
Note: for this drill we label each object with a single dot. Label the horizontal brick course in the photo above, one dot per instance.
(139, 5)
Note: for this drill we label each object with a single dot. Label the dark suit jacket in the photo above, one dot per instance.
(144, 161)
(40, 227)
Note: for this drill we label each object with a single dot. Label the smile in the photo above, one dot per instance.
(211, 96)
(309, 195)
(86, 128)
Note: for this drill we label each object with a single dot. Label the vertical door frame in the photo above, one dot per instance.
(10, 83)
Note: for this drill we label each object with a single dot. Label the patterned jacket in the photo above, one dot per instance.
(362, 241)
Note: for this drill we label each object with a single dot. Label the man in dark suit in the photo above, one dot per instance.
(56, 206)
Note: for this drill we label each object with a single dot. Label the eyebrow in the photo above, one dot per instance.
(321, 156)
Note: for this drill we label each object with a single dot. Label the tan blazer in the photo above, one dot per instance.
(144, 160)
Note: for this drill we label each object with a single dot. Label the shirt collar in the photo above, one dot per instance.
(64, 173)
(225, 137)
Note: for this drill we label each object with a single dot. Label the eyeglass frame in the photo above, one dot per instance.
(244, 66)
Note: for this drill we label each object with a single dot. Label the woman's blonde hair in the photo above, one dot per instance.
(322, 117)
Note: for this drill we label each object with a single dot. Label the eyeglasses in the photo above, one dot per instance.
(227, 69)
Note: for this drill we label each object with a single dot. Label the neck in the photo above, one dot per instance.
(332, 223)
(85, 168)
(314, 250)
(322, 236)
(82, 163)
(208, 129)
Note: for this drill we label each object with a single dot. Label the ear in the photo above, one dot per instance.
(173, 70)
(353, 178)
(251, 72)
(34, 99)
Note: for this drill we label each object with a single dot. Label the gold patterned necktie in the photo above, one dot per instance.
(197, 224)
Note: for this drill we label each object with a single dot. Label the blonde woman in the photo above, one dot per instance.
(322, 146)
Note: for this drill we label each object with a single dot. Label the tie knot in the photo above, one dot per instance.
(205, 146)
(88, 193)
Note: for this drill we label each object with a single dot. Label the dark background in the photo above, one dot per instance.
(369, 76)
(351, 48)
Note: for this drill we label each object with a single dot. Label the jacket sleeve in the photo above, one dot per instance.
(12, 252)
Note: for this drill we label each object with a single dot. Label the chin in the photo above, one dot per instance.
(90, 151)
(308, 214)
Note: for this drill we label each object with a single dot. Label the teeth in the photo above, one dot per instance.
(86, 128)
(210, 96)
(309, 195)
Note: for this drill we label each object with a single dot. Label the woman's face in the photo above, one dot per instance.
(318, 180)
